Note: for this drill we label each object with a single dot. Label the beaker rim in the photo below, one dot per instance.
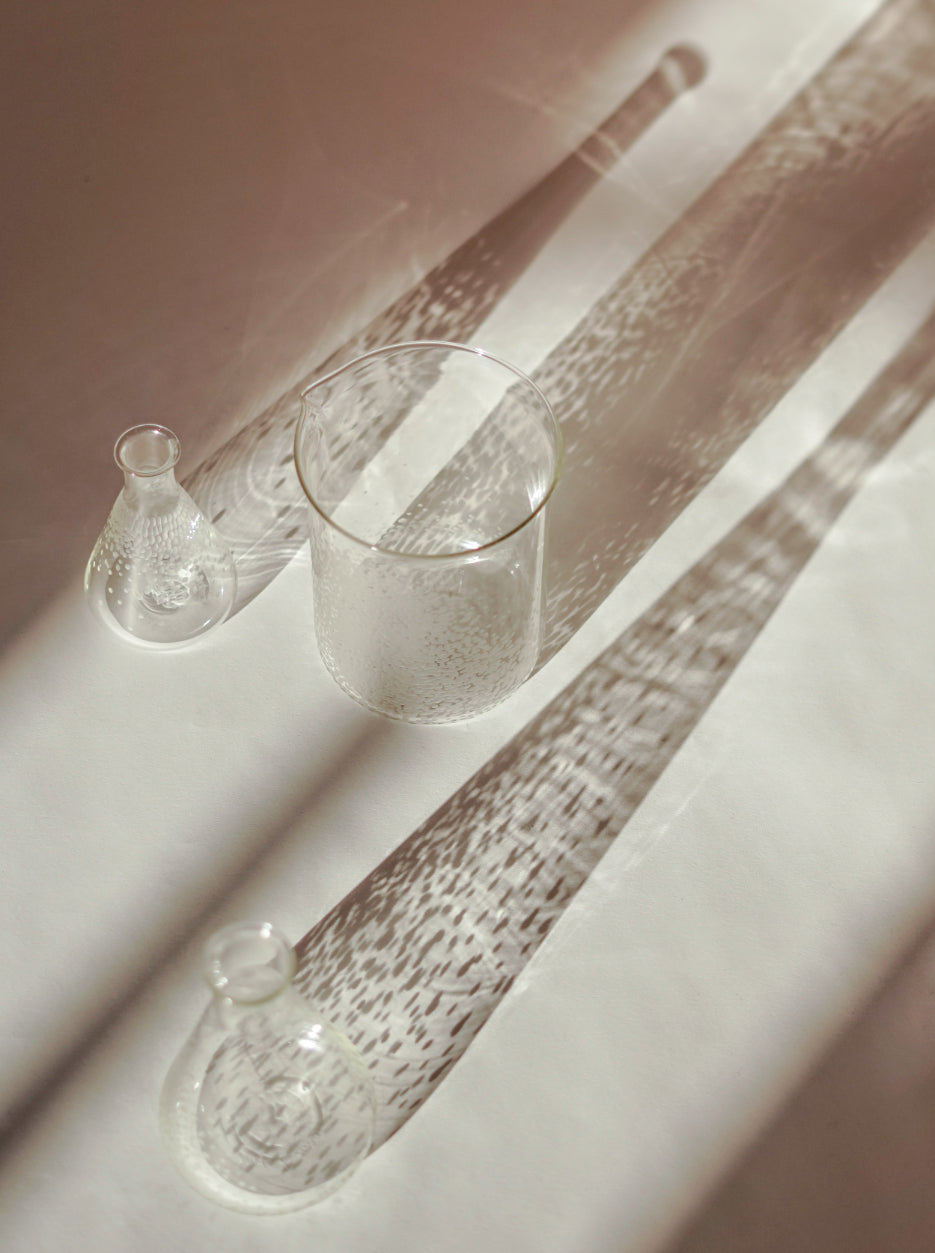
(460, 554)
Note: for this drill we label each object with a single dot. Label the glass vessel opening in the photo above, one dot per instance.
(427, 449)
(249, 962)
(145, 451)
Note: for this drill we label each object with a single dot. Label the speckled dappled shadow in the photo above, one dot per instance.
(413, 961)
(655, 389)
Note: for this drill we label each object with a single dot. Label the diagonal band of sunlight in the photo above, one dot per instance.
(413, 961)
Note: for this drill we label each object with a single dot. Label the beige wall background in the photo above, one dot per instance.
(202, 198)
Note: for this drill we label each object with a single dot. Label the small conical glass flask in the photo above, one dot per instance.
(159, 572)
(268, 1107)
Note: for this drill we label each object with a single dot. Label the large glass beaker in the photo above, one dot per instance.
(428, 468)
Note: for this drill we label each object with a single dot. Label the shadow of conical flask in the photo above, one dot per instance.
(267, 1108)
(159, 574)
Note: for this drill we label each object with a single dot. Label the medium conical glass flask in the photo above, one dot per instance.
(159, 572)
(267, 1108)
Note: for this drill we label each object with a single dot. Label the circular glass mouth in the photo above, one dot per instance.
(147, 450)
(248, 962)
(305, 435)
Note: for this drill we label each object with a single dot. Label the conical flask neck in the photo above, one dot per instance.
(147, 455)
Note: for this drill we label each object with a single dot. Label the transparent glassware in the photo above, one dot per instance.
(428, 468)
(267, 1108)
(159, 574)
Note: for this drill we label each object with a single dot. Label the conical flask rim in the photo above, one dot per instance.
(147, 451)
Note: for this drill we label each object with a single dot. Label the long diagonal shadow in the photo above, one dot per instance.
(680, 360)
(413, 961)
(668, 373)
(672, 370)
(248, 487)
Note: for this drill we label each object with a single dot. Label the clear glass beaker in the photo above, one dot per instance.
(428, 468)
(267, 1107)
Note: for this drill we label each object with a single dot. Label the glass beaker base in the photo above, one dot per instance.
(397, 711)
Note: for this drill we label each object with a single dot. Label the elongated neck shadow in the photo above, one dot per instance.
(249, 488)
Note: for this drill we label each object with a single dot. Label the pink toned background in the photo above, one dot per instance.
(202, 199)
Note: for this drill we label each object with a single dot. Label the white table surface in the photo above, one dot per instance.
(766, 885)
